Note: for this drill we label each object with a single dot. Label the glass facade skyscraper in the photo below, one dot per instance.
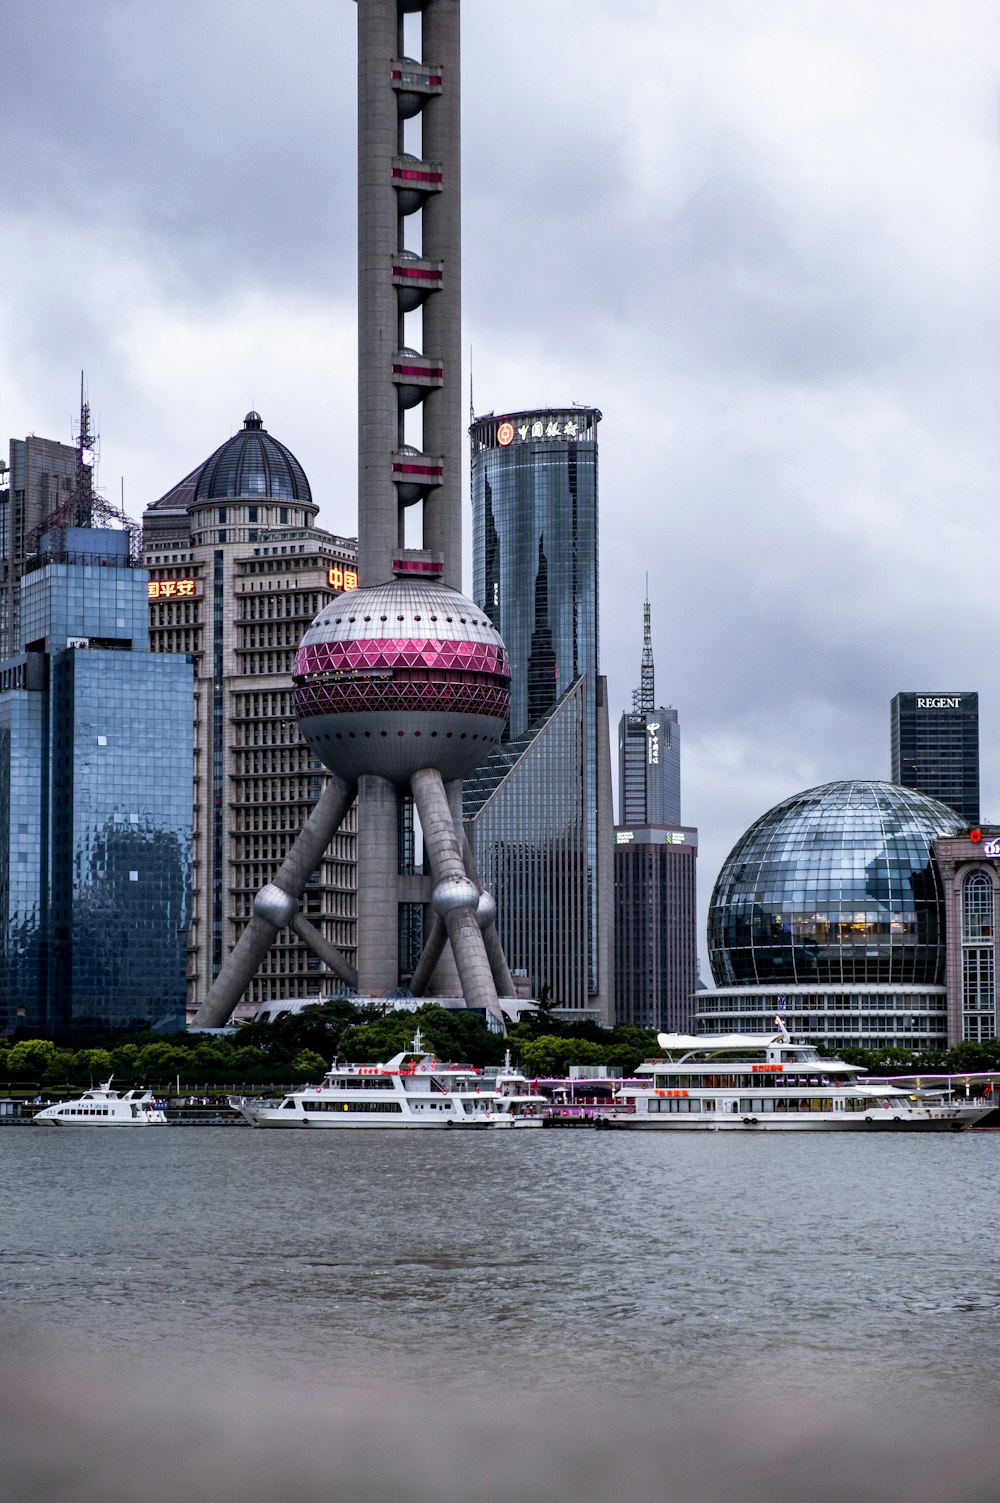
(95, 799)
(535, 572)
(935, 747)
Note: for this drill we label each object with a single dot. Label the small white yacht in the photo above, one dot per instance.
(524, 1105)
(755, 1083)
(103, 1107)
(414, 1089)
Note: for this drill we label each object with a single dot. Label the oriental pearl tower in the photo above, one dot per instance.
(402, 686)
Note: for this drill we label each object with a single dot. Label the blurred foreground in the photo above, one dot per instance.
(74, 1433)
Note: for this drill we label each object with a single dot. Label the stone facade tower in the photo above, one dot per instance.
(403, 687)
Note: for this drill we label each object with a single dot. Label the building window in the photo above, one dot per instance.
(978, 957)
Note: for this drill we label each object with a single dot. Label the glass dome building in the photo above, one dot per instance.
(836, 885)
(831, 904)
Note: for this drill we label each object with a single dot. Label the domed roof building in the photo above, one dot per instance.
(238, 570)
(252, 464)
(829, 910)
(835, 885)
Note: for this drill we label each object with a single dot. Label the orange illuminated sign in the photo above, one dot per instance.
(169, 589)
(766, 1069)
(505, 434)
(342, 579)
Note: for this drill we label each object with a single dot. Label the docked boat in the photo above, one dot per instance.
(755, 1083)
(524, 1104)
(103, 1107)
(412, 1090)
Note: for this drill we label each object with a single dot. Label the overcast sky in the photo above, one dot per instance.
(764, 238)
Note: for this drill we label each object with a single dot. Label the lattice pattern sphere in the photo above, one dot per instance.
(401, 676)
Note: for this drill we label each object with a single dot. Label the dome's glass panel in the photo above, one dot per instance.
(836, 885)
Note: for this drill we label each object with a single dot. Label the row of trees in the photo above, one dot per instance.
(299, 1047)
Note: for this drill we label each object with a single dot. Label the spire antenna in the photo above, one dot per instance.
(647, 690)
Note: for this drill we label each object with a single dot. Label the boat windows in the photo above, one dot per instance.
(351, 1106)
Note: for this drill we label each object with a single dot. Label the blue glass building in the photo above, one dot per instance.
(95, 799)
(535, 572)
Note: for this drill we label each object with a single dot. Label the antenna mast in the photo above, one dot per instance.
(644, 698)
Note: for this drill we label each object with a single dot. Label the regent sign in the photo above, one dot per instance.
(939, 702)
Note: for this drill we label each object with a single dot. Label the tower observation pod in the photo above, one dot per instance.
(402, 686)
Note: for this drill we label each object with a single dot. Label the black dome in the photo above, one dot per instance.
(251, 465)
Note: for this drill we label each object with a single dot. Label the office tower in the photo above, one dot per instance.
(404, 686)
(649, 751)
(935, 747)
(95, 785)
(41, 474)
(539, 808)
(656, 960)
(237, 571)
(655, 865)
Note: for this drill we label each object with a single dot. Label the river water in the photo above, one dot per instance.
(678, 1266)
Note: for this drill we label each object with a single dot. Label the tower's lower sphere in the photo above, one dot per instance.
(401, 676)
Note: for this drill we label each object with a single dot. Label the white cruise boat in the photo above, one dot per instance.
(750, 1082)
(412, 1090)
(103, 1107)
(518, 1101)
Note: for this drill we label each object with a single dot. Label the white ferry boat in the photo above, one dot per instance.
(412, 1090)
(750, 1082)
(518, 1100)
(103, 1107)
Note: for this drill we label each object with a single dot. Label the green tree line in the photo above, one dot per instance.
(299, 1047)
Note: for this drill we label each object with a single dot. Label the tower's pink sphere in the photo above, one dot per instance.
(400, 676)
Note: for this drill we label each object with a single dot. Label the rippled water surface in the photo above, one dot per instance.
(675, 1264)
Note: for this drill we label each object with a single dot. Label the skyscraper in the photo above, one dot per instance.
(539, 808)
(655, 865)
(237, 570)
(95, 851)
(935, 747)
(41, 474)
(402, 690)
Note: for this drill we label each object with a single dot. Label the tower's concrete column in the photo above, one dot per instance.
(276, 904)
(442, 241)
(378, 316)
(378, 872)
(455, 896)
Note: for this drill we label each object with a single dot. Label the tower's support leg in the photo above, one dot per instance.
(322, 948)
(494, 949)
(455, 896)
(445, 981)
(378, 886)
(276, 904)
